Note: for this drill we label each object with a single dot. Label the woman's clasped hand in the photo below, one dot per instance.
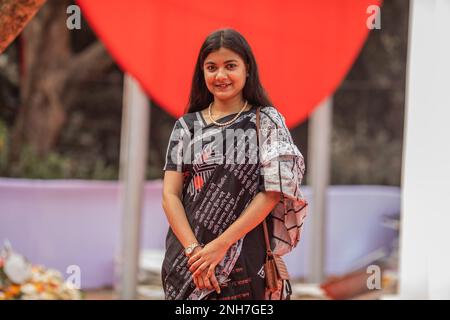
(203, 262)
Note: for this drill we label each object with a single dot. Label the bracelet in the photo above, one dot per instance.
(190, 248)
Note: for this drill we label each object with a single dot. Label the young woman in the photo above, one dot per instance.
(218, 188)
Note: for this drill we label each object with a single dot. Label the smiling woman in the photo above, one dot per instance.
(215, 247)
(225, 74)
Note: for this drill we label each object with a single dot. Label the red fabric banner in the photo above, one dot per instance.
(303, 48)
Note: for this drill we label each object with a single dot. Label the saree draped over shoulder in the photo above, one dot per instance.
(222, 173)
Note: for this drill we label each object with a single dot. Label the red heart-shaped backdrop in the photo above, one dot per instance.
(303, 48)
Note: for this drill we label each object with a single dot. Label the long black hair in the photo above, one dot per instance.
(253, 91)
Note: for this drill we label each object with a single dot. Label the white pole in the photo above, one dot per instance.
(133, 160)
(319, 133)
(425, 217)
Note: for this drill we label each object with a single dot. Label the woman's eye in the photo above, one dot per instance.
(229, 66)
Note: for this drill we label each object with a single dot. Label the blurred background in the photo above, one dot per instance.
(86, 143)
(62, 128)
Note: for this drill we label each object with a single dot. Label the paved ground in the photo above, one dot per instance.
(154, 292)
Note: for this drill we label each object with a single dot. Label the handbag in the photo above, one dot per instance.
(274, 267)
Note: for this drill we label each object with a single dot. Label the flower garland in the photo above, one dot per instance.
(19, 279)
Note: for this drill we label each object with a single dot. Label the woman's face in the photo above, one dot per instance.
(225, 74)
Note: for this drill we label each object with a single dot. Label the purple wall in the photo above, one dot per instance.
(59, 223)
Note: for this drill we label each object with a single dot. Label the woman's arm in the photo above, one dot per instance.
(261, 205)
(173, 207)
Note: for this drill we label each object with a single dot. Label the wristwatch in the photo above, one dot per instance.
(190, 248)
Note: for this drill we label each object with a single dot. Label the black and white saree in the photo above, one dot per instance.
(222, 174)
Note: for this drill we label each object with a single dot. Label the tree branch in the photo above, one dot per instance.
(92, 60)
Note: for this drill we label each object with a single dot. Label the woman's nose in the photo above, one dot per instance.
(221, 74)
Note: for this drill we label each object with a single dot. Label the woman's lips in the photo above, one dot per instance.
(222, 86)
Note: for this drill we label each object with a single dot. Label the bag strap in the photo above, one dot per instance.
(266, 231)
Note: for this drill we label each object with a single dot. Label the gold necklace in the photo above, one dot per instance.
(228, 122)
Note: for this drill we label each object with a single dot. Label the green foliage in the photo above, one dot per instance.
(3, 146)
(57, 166)
(53, 166)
